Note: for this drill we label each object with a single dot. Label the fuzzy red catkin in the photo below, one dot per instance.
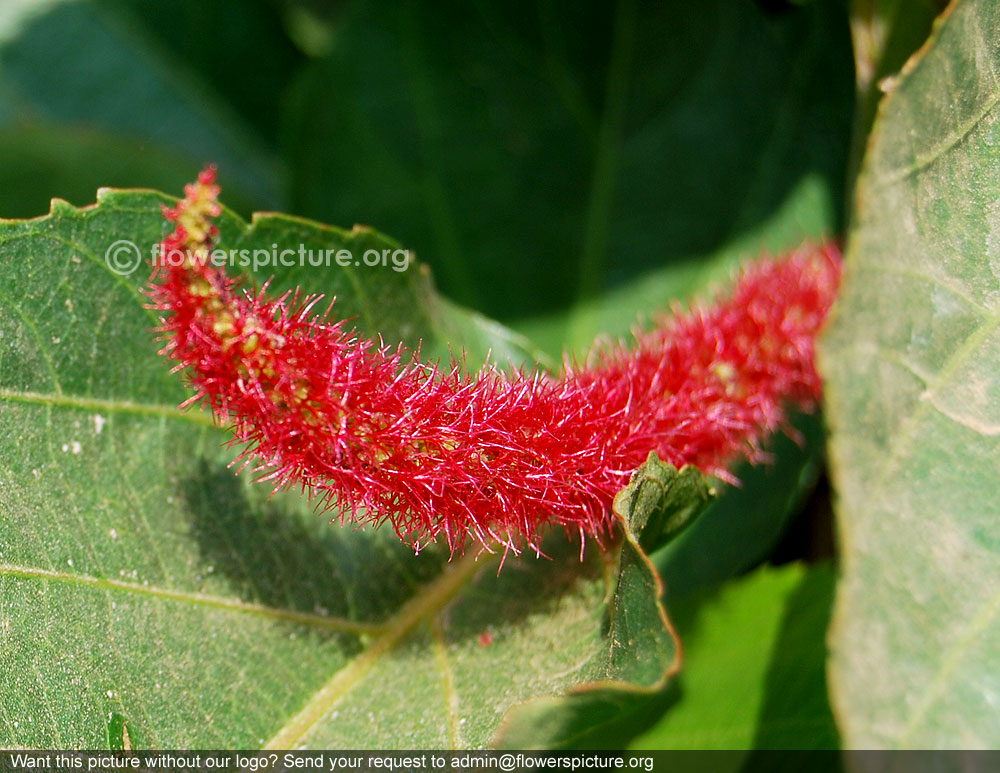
(492, 457)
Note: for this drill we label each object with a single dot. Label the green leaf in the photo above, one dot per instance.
(146, 590)
(564, 177)
(912, 362)
(229, 52)
(661, 501)
(753, 671)
(744, 525)
(93, 68)
(657, 503)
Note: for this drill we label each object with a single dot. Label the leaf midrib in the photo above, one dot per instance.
(430, 600)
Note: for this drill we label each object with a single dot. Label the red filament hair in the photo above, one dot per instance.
(493, 457)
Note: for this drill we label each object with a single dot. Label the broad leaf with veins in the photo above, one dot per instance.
(913, 362)
(143, 586)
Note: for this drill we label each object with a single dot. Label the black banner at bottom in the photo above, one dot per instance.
(503, 761)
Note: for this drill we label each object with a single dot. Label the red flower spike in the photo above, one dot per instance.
(491, 457)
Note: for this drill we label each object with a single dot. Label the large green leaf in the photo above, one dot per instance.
(145, 589)
(564, 176)
(914, 405)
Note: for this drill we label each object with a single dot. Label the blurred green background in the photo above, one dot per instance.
(562, 167)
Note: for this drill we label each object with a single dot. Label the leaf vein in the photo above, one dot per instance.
(61, 400)
(192, 597)
(431, 600)
(950, 663)
(443, 662)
